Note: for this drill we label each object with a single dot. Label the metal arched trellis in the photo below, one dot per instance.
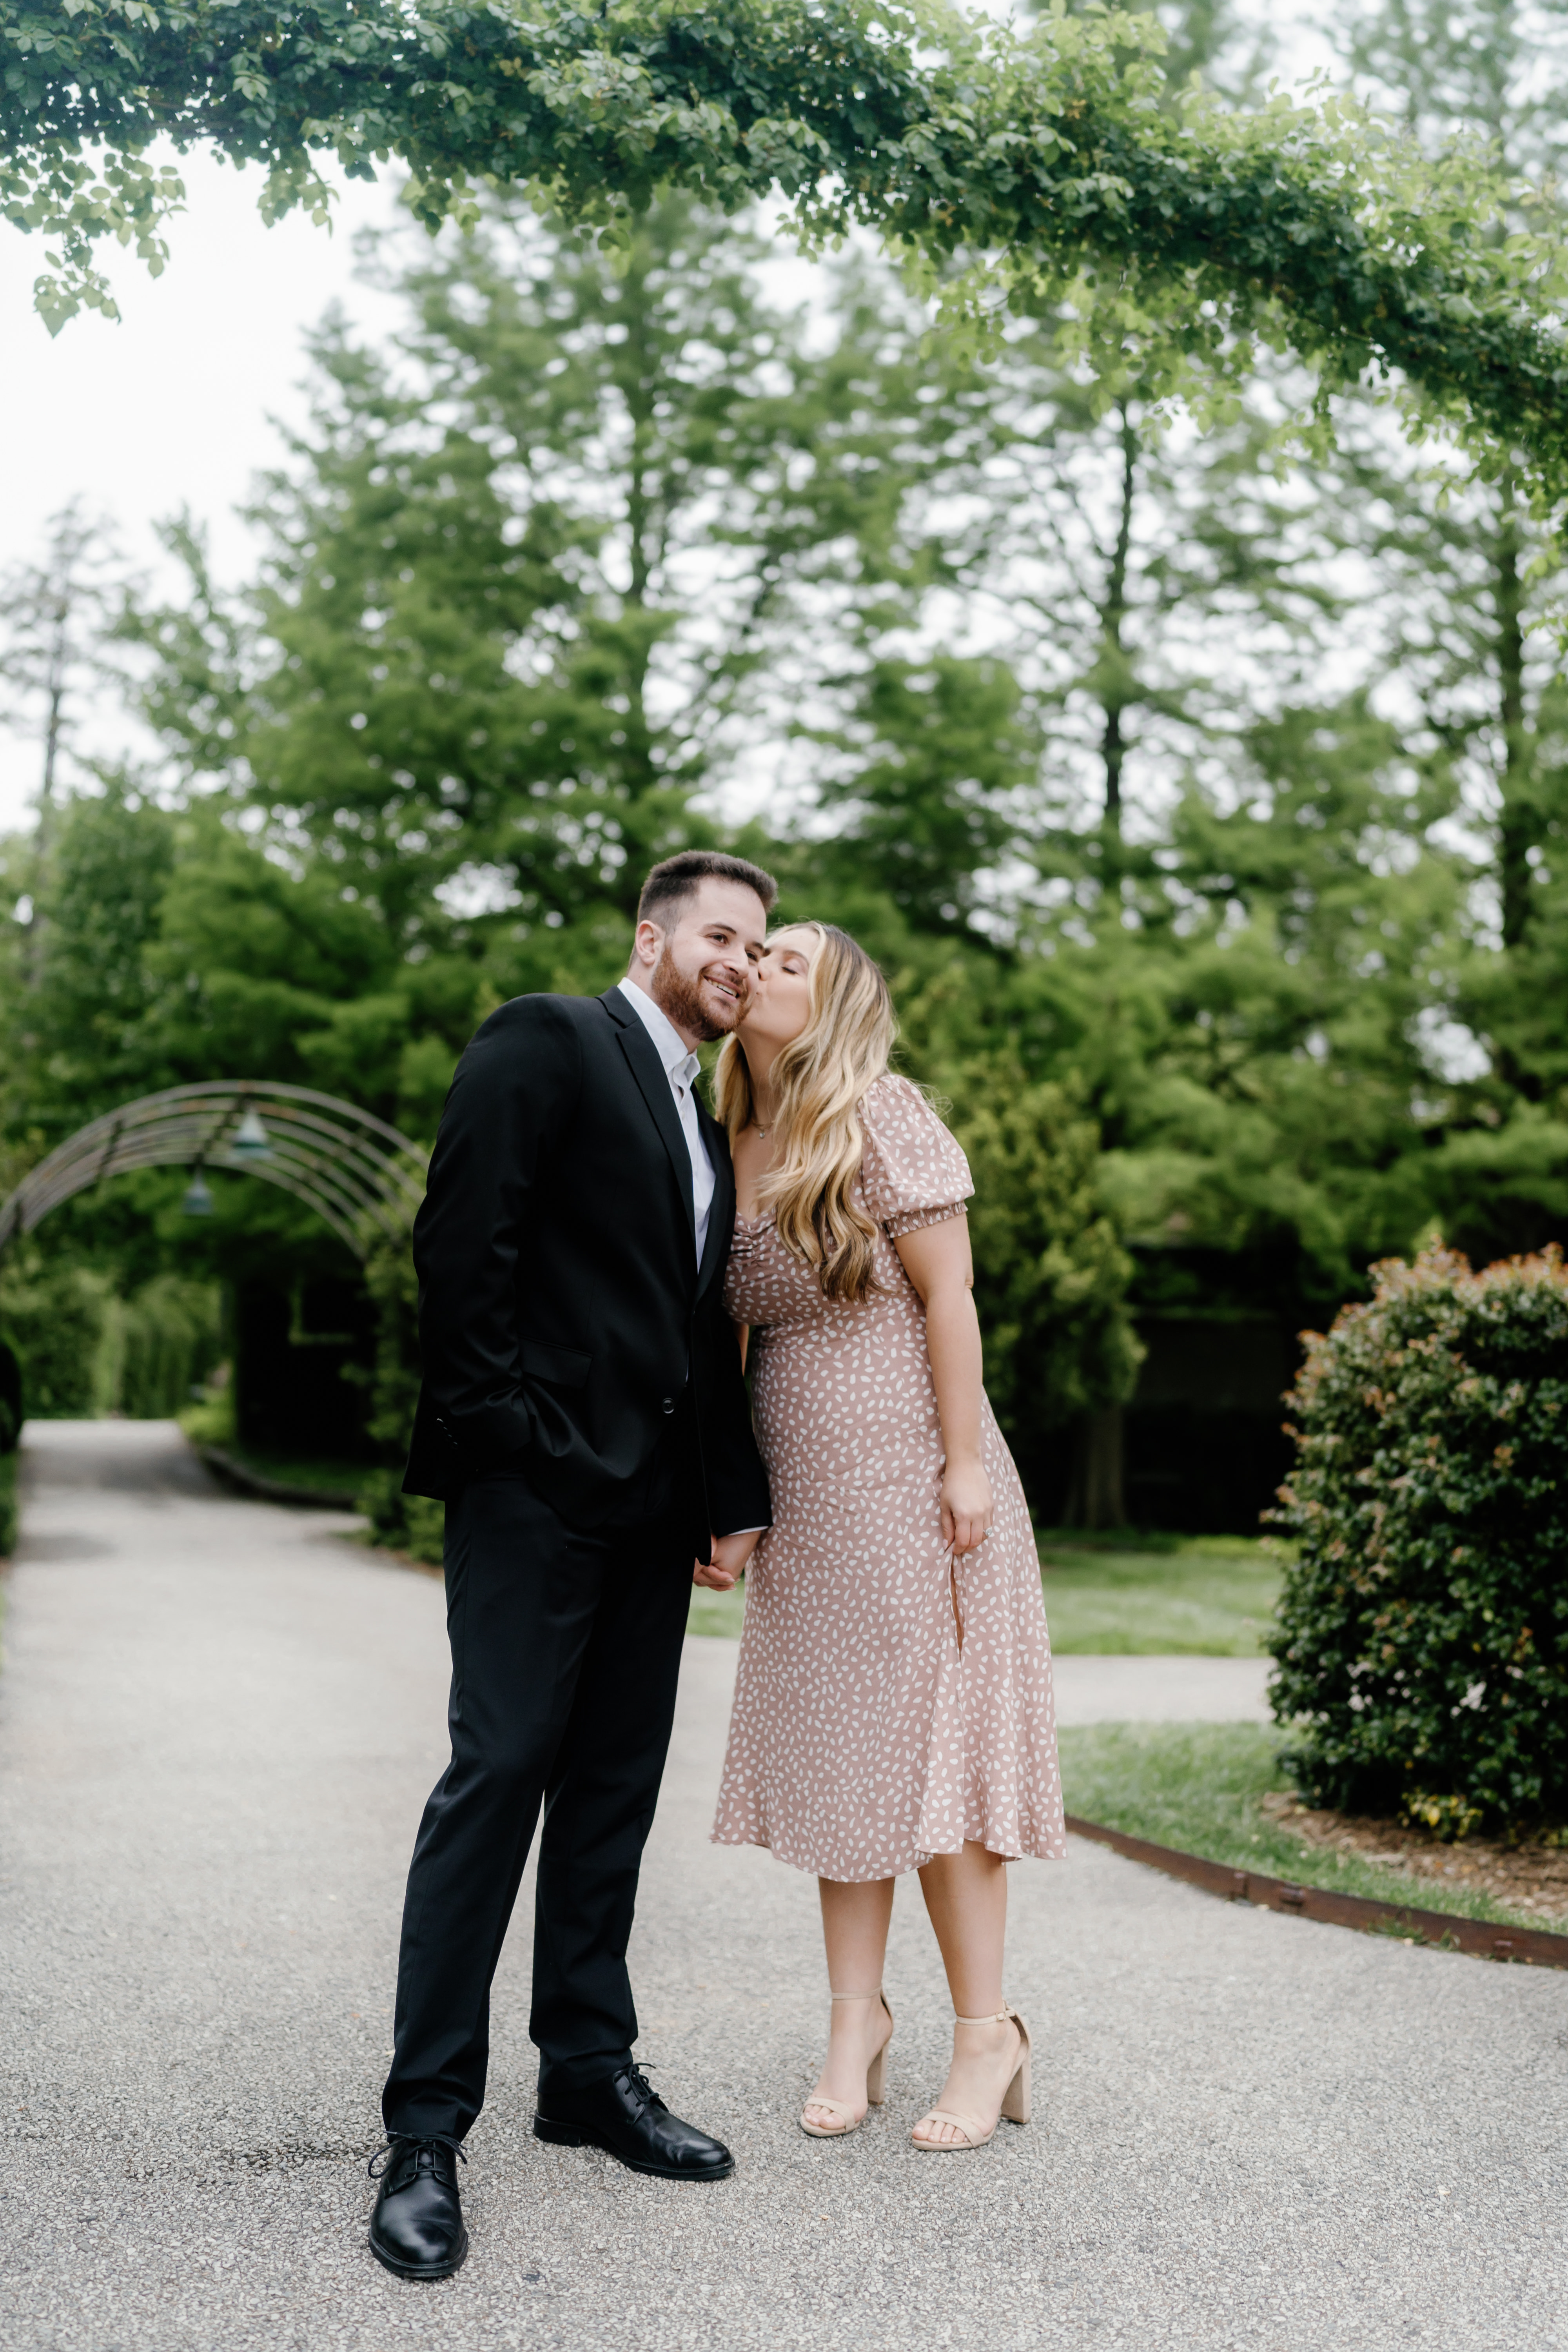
(361, 1175)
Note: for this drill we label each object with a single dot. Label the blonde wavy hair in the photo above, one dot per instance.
(818, 1146)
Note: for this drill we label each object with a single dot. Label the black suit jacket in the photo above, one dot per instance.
(560, 1304)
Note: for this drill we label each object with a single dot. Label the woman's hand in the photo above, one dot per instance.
(936, 1259)
(965, 1505)
(721, 1571)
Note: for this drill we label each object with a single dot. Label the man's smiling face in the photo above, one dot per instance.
(700, 977)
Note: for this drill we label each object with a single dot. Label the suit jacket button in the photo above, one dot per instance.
(668, 1403)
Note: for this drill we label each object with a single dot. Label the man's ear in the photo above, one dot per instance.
(647, 941)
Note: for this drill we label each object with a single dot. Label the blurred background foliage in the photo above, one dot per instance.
(1203, 799)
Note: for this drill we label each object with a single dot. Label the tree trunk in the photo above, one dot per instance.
(1517, 824)
(1094, 1496)
(1113, 615)
(43, 838)
(640, 386)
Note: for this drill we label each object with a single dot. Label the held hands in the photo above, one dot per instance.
(965, 1505)
(722, 1572)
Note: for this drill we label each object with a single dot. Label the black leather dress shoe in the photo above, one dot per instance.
(417, 2229)
(625, 2115)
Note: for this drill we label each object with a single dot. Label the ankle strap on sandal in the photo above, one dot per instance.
(856, 1996)
(996, 2017)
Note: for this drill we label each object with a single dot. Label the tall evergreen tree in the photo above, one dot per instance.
(1475, 588)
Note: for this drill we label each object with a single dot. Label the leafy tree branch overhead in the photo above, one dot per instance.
(1046, 161)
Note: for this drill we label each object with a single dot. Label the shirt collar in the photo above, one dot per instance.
(678, 1060)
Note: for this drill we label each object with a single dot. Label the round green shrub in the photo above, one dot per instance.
(1422, 1634)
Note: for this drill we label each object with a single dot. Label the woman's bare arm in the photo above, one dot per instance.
(937, 1260)
(743, 1339)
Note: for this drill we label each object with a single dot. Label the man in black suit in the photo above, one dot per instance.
(583, 1416)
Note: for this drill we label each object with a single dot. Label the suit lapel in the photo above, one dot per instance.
(653, 1082)
(721, 1216)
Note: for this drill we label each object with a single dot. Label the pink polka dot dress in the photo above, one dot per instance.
(865, 1737)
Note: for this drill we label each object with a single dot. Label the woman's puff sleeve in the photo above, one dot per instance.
(913, 1173)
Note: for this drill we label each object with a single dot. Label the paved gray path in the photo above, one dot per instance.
(1162, 1690)
(218, 1722)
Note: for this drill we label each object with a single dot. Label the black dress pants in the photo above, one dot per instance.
(565, 1656)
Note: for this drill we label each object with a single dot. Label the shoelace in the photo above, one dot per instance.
(424, 2153)
(640, 2083)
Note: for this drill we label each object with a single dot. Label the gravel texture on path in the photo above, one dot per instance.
(218, 1720)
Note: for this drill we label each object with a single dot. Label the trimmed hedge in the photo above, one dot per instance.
(84, 1351)
(1422, 1639)
(55, 1318)
(168, 1340)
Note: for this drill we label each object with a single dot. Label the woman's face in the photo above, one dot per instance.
(780, 1004)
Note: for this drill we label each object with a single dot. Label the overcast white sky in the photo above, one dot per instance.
(173, 406)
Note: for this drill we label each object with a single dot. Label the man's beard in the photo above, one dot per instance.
(676, 997)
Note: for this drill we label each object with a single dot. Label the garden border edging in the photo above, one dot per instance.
(272, 1490)
(1485, 1938)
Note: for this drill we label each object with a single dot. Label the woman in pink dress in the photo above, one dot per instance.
(893, 1698)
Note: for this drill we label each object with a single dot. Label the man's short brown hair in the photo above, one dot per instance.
(673, 884)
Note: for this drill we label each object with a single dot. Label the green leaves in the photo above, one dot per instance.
(521, 579)
(1423, 1649)
(941, 756)
(1050, 1275)
(1041, 158)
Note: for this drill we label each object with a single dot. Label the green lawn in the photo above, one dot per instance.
(1157, 1596)
(290, 1470)
(717, 1612)
(1197, 1785)
(1123, 1595)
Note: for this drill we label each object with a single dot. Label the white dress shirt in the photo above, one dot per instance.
(680, 1067)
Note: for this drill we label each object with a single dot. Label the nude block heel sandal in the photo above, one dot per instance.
(876, 2083)
(1015, 2099)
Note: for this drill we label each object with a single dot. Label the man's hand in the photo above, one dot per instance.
(721, 1571)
